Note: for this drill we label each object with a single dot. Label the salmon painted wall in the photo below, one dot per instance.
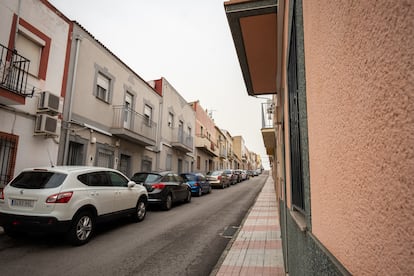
(360, 94)
(202, 119)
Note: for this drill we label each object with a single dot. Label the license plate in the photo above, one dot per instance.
(22, 203)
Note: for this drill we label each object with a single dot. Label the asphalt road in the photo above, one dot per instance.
(187, 240)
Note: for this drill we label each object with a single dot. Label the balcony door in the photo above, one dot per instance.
(128, 110)
(181, 131)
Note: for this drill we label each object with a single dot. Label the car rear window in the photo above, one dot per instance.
(189, 177)
(38, 180)
(214, 173)
(146, 178)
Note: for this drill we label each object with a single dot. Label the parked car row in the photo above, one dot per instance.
(225, 178)
(74, 199)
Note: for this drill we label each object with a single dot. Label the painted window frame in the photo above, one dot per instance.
(23, 27)
(102, 71)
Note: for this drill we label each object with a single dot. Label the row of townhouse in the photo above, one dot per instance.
(66, 99)
(339, 129)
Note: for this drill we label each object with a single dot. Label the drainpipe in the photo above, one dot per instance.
(78, 39)
(159, 129)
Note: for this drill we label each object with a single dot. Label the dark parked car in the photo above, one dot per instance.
(198, 183)
(164, 188)
(218, 179)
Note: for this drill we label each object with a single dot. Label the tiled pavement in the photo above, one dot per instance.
(257, 249)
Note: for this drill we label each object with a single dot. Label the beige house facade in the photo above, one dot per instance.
(340, 138)
(33, 65)
(111, 114)
(176, 130)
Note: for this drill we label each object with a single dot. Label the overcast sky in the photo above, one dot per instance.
(185, 41)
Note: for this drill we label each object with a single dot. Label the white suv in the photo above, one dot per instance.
(69, 200)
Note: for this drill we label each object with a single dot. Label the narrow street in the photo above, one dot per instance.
(187, 240)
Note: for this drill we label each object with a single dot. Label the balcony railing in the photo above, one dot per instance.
(182, 140)
(14, 71)
(223, 153)
(203, 142)
(133, 126)
(268, 112)
(268, 127)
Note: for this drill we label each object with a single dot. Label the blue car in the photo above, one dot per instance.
(198, 183)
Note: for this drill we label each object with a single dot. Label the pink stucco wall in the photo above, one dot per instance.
(360, 93)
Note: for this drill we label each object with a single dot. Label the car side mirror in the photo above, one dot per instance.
(131, 184)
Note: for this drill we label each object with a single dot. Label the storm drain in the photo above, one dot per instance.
(230, 231)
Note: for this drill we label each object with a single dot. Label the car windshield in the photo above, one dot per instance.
(146, 178)
(38, 180)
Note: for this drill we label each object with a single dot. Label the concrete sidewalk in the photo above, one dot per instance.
(257, 248)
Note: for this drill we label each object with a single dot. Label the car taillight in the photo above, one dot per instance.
(1, 193)
(219, 177)
(196, 184)
(60, 198)
(158, 186)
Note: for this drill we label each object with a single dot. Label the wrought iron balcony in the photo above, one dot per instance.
(181, 140)
(268, 129)
(223, 153)
(14, 71)
(132, 126)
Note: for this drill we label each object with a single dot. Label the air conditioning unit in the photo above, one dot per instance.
(49, 102)
(46, 125)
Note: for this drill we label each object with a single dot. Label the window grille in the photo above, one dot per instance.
(8, 151)
(295, 146)
(105, 158)
(75, 156)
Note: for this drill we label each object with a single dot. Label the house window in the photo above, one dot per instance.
(180, 165)
(198, 162)
(105, 158)
(102, 87)
(146, 165)
(148, 114)
(75, 155)
(33, 45)
(125, 164)
(168, 162)
(31, 50)
(8, 152)
(170, 120)
(295, 142)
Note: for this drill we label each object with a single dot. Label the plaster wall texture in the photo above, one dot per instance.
(360, 94)
(91, 55)
(34, 150)
(203, 120)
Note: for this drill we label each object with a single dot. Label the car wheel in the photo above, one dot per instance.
(188, 199)
(140, 211)
(82, 228)
(168, 203)
(209, 189)
(200, 192)
(223, 186)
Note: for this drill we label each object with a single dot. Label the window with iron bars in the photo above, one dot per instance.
(8, 151)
